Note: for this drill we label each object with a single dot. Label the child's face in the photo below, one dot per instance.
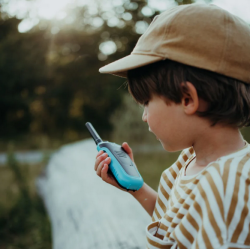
(167, 122)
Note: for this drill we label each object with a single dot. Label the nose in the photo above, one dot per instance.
(144, 115)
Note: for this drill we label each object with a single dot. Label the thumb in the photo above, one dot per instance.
(128, 150)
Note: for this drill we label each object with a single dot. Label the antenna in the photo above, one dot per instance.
(93, 133)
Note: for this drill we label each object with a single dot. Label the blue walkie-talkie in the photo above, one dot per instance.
(121, 166)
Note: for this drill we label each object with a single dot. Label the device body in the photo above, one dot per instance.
(121, 166)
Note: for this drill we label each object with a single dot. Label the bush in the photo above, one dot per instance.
(24, 224)
(128, 125)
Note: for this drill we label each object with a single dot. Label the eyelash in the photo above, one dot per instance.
(145, 103)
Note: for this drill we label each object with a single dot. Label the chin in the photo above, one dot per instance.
(168, 148)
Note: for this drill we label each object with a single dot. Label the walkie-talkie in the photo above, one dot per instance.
(121, 166)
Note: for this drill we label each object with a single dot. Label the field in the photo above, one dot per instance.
(23, 219)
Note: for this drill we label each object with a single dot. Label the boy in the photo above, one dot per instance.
(191, 71)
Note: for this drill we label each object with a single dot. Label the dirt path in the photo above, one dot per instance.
(85, 212)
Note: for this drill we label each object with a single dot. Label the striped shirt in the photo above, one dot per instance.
(206, 210)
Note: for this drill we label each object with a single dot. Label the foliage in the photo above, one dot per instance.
(22, 70)
(25, 224)
(128, 125)
(50, 83)
(152, 164)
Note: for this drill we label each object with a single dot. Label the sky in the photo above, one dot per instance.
(58, 10)
(239, 8)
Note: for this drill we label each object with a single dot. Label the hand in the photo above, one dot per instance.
(128, 150)
(102, 162)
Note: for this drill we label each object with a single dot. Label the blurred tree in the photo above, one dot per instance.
(49, 76)
(50, 82)
(128, 125)
(74, 60)
(22, 71)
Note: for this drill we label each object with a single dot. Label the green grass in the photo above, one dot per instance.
(23, 219)
(151, 165)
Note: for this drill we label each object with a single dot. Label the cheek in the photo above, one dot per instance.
(164, 125)
(155, 123)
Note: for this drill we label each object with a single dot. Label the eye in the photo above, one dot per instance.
(145, 103)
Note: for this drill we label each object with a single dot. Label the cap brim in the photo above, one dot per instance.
(133, 61)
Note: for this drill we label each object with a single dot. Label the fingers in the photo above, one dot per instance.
(99, 153)
(107, 177)
(101, 167)
(100, 158)
(104, 173)
(107, 160)
(126, 147)
(128, 150)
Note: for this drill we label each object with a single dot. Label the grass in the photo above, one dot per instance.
(151, 165)
(23, 219)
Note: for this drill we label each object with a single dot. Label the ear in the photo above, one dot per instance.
(190, 100)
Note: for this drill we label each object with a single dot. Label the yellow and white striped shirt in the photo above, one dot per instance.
(206, 210)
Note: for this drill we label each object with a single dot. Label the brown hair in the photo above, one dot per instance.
(228, 98)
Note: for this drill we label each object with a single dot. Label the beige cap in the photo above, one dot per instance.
(199, 35)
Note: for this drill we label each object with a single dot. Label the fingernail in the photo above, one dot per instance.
(107, 159)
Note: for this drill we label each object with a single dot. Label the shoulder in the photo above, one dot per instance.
(181, 161)
(230, 168)
(226, 181)
(223, 193)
